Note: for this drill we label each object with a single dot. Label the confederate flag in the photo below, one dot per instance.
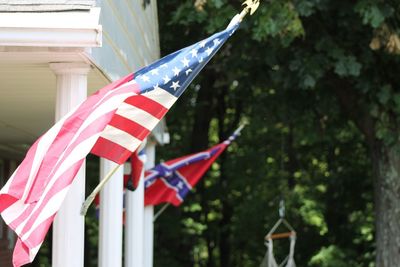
(171, 181)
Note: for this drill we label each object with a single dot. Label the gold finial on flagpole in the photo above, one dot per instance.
(250, 6)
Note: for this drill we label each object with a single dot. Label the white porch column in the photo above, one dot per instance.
(148, 236)
(149, 213)
(134, 211)
(110, 226)
(134, 226)
(134, 205)
(68, 226)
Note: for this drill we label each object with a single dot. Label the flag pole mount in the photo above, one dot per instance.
(90, 198)
(250, 7)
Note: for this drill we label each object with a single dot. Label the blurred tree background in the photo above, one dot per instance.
(318, 83)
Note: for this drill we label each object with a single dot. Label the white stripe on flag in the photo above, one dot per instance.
(14, 211)
(72, 158)
(52, 206)
(161, 96)
(102, 109)
(6, 187)
(34, 251)
(137, 115)
(79, 152)
(42, 147)
(121, 138)
(113, 91)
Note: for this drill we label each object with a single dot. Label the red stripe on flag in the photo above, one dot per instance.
(118, 153)
(126, 179)
(150, 106)
(136, 171)
(129, 126)
(6, 201)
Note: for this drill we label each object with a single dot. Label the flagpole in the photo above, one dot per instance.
(161, 211)
(90, 198)
(239, 129)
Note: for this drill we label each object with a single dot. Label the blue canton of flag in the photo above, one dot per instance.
(176, 71)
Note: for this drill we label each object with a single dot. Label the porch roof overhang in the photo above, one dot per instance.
(29, 42)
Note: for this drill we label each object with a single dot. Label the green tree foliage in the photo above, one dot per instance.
(317, 81)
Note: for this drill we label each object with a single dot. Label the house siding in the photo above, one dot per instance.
(130, 36)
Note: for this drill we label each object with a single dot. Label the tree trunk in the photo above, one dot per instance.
(386, 172)
(386, 163)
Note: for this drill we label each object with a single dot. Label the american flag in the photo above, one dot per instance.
(111, 123)
(171, 181)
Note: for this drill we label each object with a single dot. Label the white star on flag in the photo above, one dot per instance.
(217, 42)
(156, 87)
(154, 72)
(185, 62)
(188, 71)
(166, 79)
(145, 78)
(209, 51)
(176, 71)
(180, 185)
(175, 85)
(194, 52)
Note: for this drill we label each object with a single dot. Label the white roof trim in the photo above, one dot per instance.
(50, 37)
(58, 29)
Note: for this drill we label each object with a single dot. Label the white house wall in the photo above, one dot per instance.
(130, 36)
